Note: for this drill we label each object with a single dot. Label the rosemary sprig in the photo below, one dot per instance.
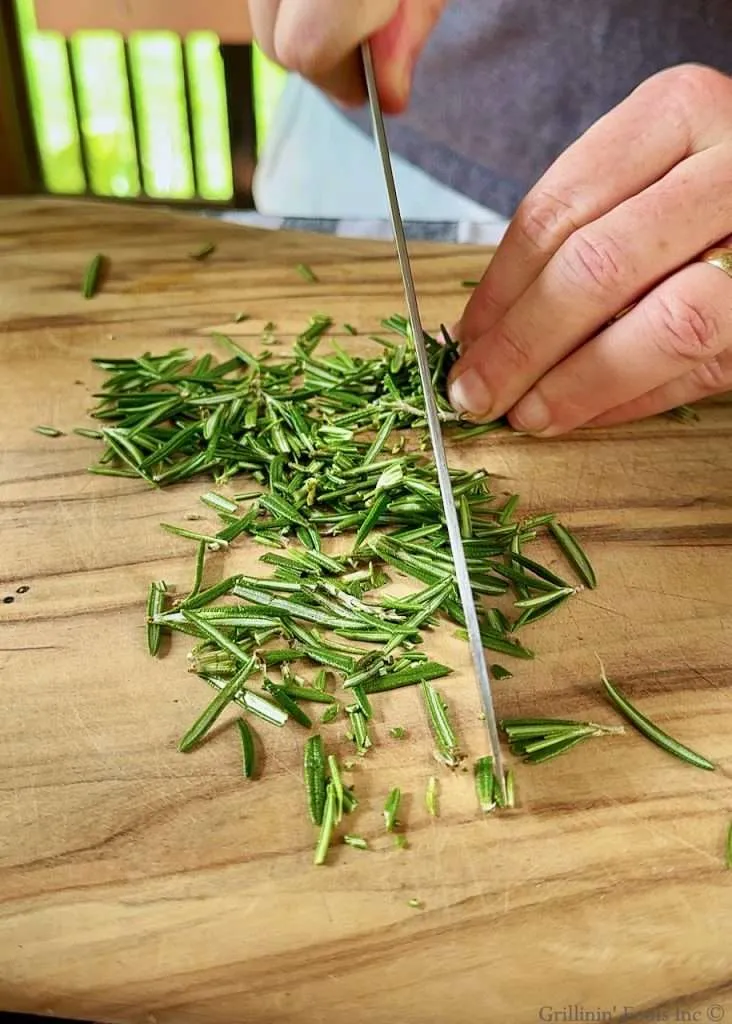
(540, 739)
(650, 729)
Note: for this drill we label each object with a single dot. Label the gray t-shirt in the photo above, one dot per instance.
(505, 85)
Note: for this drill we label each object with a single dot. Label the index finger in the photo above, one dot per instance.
(639, 141)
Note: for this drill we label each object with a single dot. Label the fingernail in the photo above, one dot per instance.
(454, 332)
(403, 83)
(468, 393)
(531, 414)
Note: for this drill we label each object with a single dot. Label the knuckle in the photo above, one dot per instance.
(713, 376)
(511, 353)
(593, 264)
(685, 329)
(544, 219)
(694, 83)
(297, 51)
(690, 91)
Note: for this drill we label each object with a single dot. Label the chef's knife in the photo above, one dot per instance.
(433, 420)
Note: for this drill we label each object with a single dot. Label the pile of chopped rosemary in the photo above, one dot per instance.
(335, 445)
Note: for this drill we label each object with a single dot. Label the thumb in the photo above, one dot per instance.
(397, 46)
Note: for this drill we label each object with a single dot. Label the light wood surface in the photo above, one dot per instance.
(138, 884)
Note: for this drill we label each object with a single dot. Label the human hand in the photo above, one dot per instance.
(319, 40)
(621, 217)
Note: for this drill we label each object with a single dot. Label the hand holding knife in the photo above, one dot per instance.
(443, 473)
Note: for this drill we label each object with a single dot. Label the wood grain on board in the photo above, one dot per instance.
(138, 884)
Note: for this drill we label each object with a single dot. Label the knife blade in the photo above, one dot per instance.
(462, 575)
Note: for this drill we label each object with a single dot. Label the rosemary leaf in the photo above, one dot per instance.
(209, 715)
(155, 605)
(337, 784)
(574, 553)
(306, 273)
(281, 697)
(431, 797)
(247, 748)
(204, 251)
(485, 786)
(358, 842)
(48, 431)
(391, 808)
(447, 745)
(651, 730)
(326, 828)
(92, 275)
(314, 769)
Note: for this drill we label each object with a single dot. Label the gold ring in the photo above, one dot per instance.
(720, 256)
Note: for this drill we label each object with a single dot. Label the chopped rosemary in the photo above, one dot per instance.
(728, 848)
(326, 828)
(155, 605)
(651, 730)
(485, 784)
(92, 275)
(331, 713)
(684, 414)
(358, 842)
(204, 251)
(398, 732)
(431, 797)
(574, 553)
(448, 751)
(329, 444)
(48, 431)
(315, 777)
(540, 739)
(391, 808)
(337, 784)
(306, 273)
(209, 715)
(247, 748)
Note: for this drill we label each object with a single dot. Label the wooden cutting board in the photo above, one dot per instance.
(138, 884)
